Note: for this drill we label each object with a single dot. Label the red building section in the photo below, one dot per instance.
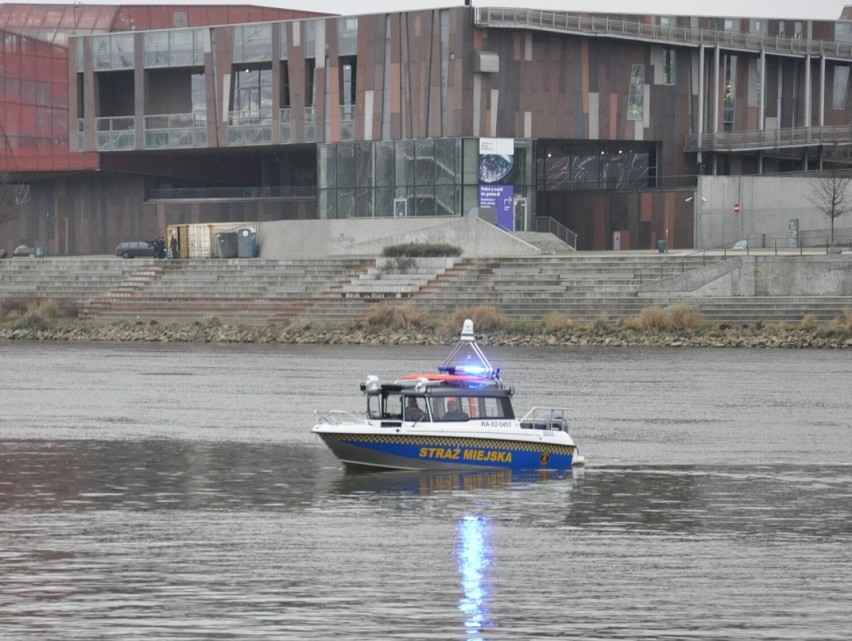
(34, 73)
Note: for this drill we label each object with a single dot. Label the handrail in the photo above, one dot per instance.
(769, 138)
(549, 225)
(565, 22)
(745, 246)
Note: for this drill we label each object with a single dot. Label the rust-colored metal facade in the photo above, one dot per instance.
(613, 117)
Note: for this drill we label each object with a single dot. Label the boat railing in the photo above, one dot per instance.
(546, 418)
(336, 417)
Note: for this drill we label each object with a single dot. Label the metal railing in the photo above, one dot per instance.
(231, 193)
(777, 245)
(546, 224)
(564, 22)
(175, 131)
(115, 134)
(769, 139)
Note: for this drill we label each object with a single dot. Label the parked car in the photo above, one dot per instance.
(134, 248)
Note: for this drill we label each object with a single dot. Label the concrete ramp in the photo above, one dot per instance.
(367, 237)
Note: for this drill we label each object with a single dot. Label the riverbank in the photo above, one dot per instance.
(837, 336)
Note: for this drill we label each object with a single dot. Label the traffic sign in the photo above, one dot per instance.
(736, 208)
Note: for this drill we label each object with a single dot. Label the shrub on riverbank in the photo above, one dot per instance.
(421, 250)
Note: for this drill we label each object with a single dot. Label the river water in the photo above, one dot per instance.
(175, 492)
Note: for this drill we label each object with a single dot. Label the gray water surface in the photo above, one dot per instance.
(176, 492)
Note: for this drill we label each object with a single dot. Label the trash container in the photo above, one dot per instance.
(226, 243)
(661, 246)
(246, 242)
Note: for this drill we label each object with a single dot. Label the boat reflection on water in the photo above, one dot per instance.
(474, 554)
(426, 483)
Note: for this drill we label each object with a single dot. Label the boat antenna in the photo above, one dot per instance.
(467, 343)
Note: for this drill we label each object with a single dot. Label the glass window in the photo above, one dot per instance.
(199, 94)
(404, 163)
(282, 39)
(729, 99)
(347, 36)
(843, 32)
(425, 159)
(841, 86)
(445, 161)
(669, 65)
(252, 43)
(345, 166)
(363, 164)
(310, 38)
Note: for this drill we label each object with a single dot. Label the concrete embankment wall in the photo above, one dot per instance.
(829, 275)
(767, 205)
(315, 239)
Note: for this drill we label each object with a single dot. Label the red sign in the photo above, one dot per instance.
(736, 208)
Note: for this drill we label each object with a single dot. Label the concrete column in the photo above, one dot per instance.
(701, 96)
(822, 91)
(761, 107)
(716, 91)
(139, 90)
(808, 91)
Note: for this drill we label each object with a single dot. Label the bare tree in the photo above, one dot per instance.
(828, 194)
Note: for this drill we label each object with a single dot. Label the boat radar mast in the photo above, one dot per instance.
(466, 357)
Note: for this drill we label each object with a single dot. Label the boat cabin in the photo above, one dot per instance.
(433, 403)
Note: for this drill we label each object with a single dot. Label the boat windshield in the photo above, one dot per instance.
(384, 406)
(462, 408)
(393, 405)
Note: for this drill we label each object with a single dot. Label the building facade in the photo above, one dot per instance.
(601, 123)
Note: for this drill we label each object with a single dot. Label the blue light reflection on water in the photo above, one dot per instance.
(474, 552)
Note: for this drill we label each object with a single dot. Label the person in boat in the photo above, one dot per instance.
(453, 413)
(412, 410)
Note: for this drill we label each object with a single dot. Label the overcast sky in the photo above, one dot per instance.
(802, 9)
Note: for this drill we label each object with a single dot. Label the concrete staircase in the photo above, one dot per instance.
(234, 290)
(68, 281)
(583, 285)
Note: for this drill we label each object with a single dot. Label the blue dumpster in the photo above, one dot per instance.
(661, 246)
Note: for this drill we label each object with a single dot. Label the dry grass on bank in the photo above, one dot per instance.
(34, 315)
(401, 317)
(657, 320)
(653, 323)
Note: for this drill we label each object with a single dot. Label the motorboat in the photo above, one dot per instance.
(460, 418)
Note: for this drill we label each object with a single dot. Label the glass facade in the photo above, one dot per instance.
(594, 166)
(424, 177)
(177, 48)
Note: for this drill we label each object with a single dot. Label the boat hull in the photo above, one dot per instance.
(421, 452)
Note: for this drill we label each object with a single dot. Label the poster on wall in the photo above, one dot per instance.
(496, 162)
(636, 95)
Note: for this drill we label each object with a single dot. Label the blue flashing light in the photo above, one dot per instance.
(473, 370)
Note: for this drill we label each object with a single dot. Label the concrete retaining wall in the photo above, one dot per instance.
(313, 239)
(767, 204)
(827, 275)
